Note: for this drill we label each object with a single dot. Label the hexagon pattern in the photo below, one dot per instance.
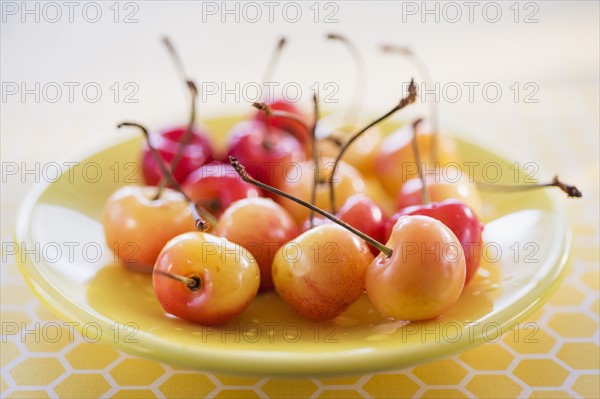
(556, 354)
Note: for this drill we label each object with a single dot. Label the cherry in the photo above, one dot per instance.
(457, 216)
(361, 212)
(460, 219)
(205, 279)
(137, 226)
(321, 272)
(425, 274)
(197, 153)
(260, 225)
(268, 152)
(216, 186)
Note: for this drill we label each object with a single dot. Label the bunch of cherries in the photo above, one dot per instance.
(215, 230)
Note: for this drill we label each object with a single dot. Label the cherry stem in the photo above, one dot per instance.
(315, 157)
(424, 71)
(270, 112)
(193, 283)
(175, 58)
(241, 170)
(200, 223)
(360, 83)
(187, 136)
(415, 146)
(571, 191)
(409, 99)
(274, 60)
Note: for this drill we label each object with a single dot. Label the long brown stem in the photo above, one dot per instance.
(200, 223)
(571, 191)
(270, 112)
(315, 157)
(187, 136)
(409, 99)
(360, 81)
(433, 107)
(239, 168)
(273, 60)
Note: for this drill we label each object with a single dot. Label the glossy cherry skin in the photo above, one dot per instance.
(440, 188)
(322, 271)
(228, 275)
(260, 225)
(216, 185)
(460, 219)
(395, 160)
(362, 213)
(293, 127)
(265, 153)
(137, 227)
(425, 274)
(198, 152)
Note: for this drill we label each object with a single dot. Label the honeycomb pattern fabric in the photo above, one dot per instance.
(555, 353)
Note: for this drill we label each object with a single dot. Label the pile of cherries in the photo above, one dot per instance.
(284, 210)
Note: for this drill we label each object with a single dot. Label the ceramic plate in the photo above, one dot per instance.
(67, 264)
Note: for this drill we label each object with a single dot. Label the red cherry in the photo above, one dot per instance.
(362, 213)
(266, 152)
(217, 185)
(293, 127)
(198, 152)
(460, 219)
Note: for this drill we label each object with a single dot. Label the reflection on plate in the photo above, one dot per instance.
(67, 264)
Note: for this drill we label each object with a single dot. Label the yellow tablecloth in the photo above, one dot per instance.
(559, 358)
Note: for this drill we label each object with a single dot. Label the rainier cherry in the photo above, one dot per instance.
(261, 226)
(460, 219)
(205, 279)
(217, 185)
(196, 153)
(457, 216)
(322, 271)
(268, 152)
(425, 274)
(137, 226)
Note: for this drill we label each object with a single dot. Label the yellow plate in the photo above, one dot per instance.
(65, 261)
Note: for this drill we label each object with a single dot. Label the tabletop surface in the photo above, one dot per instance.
(542, 55)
